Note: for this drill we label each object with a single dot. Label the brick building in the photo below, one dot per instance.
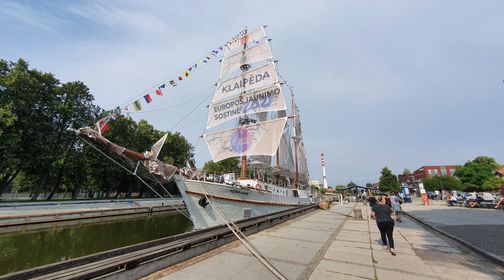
(434, 170)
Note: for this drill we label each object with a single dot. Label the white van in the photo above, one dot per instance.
(229, 178)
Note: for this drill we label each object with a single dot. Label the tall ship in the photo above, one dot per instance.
(248, 118)
(250, 98)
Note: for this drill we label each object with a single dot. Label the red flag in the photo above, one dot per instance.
(102, 125)
(159, 92)
(180, 78)
(148, 98)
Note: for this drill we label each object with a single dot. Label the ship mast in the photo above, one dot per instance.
(245, 120)
(296, 138)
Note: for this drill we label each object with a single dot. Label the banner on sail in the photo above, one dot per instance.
(262, 76)
(256, 139)
(254, 54)
(263, 100)
(255, 35)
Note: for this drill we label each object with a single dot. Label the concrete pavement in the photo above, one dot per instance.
(330, 245)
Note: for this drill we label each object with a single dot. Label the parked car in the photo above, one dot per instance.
(432, 195)
(468, 196)
(487, 196)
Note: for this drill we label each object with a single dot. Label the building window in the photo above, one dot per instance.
(429, 171)
(443, 171)
(452, 172)
(435, 172)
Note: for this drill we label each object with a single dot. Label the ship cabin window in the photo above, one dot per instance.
(295, 193)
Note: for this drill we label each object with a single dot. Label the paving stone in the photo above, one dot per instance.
(351, 258)
(347, 268)
(363, 245)
(351, 250)
(320, 274)
(387, 274)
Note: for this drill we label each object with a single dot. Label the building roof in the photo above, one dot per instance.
(500, 170)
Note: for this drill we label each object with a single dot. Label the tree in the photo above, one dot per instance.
(388, 181)
(442, 183)
(229, 165)
(35, 111)
(477, 171)
(406, 171)
(27, 143)
(492, 184)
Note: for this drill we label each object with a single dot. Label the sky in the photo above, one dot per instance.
(400, 84)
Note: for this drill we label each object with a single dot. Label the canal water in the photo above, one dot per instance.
(35, 247)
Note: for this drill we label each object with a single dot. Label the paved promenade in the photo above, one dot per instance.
(331, 245)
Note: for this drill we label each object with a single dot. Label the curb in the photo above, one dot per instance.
(476, 249)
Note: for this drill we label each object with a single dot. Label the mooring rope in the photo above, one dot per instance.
(235, 230)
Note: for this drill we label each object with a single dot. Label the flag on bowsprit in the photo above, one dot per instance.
(158, 90)
(180, 78)
(148, 98)
(138, 105)
(172, 83)
(102, 124)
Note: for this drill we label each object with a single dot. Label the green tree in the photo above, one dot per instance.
(229, 165)
(27, 144)
(7, 118)
(492, 184)
(406, 171)
(442, 183)
(477, 171)
(35, 112)
(388, 181)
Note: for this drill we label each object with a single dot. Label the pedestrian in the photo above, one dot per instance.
(372, 201)
(396, 205)
(387, 201)
(381, 213)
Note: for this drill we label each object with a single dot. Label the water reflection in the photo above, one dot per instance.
(23, 250)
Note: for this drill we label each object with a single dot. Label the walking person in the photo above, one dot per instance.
(387, 201)
(372, 201)
(396, 206)
(381, 213)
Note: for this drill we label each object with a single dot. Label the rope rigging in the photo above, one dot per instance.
(136, 175)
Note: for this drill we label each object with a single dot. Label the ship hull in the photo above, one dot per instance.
(232, 202)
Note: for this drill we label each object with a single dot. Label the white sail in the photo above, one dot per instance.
(297, 120)
(258, 101)
(262, 76)
(234, 45)
(251, 55)
(255, 139)
(302, 163)
(286, 159)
